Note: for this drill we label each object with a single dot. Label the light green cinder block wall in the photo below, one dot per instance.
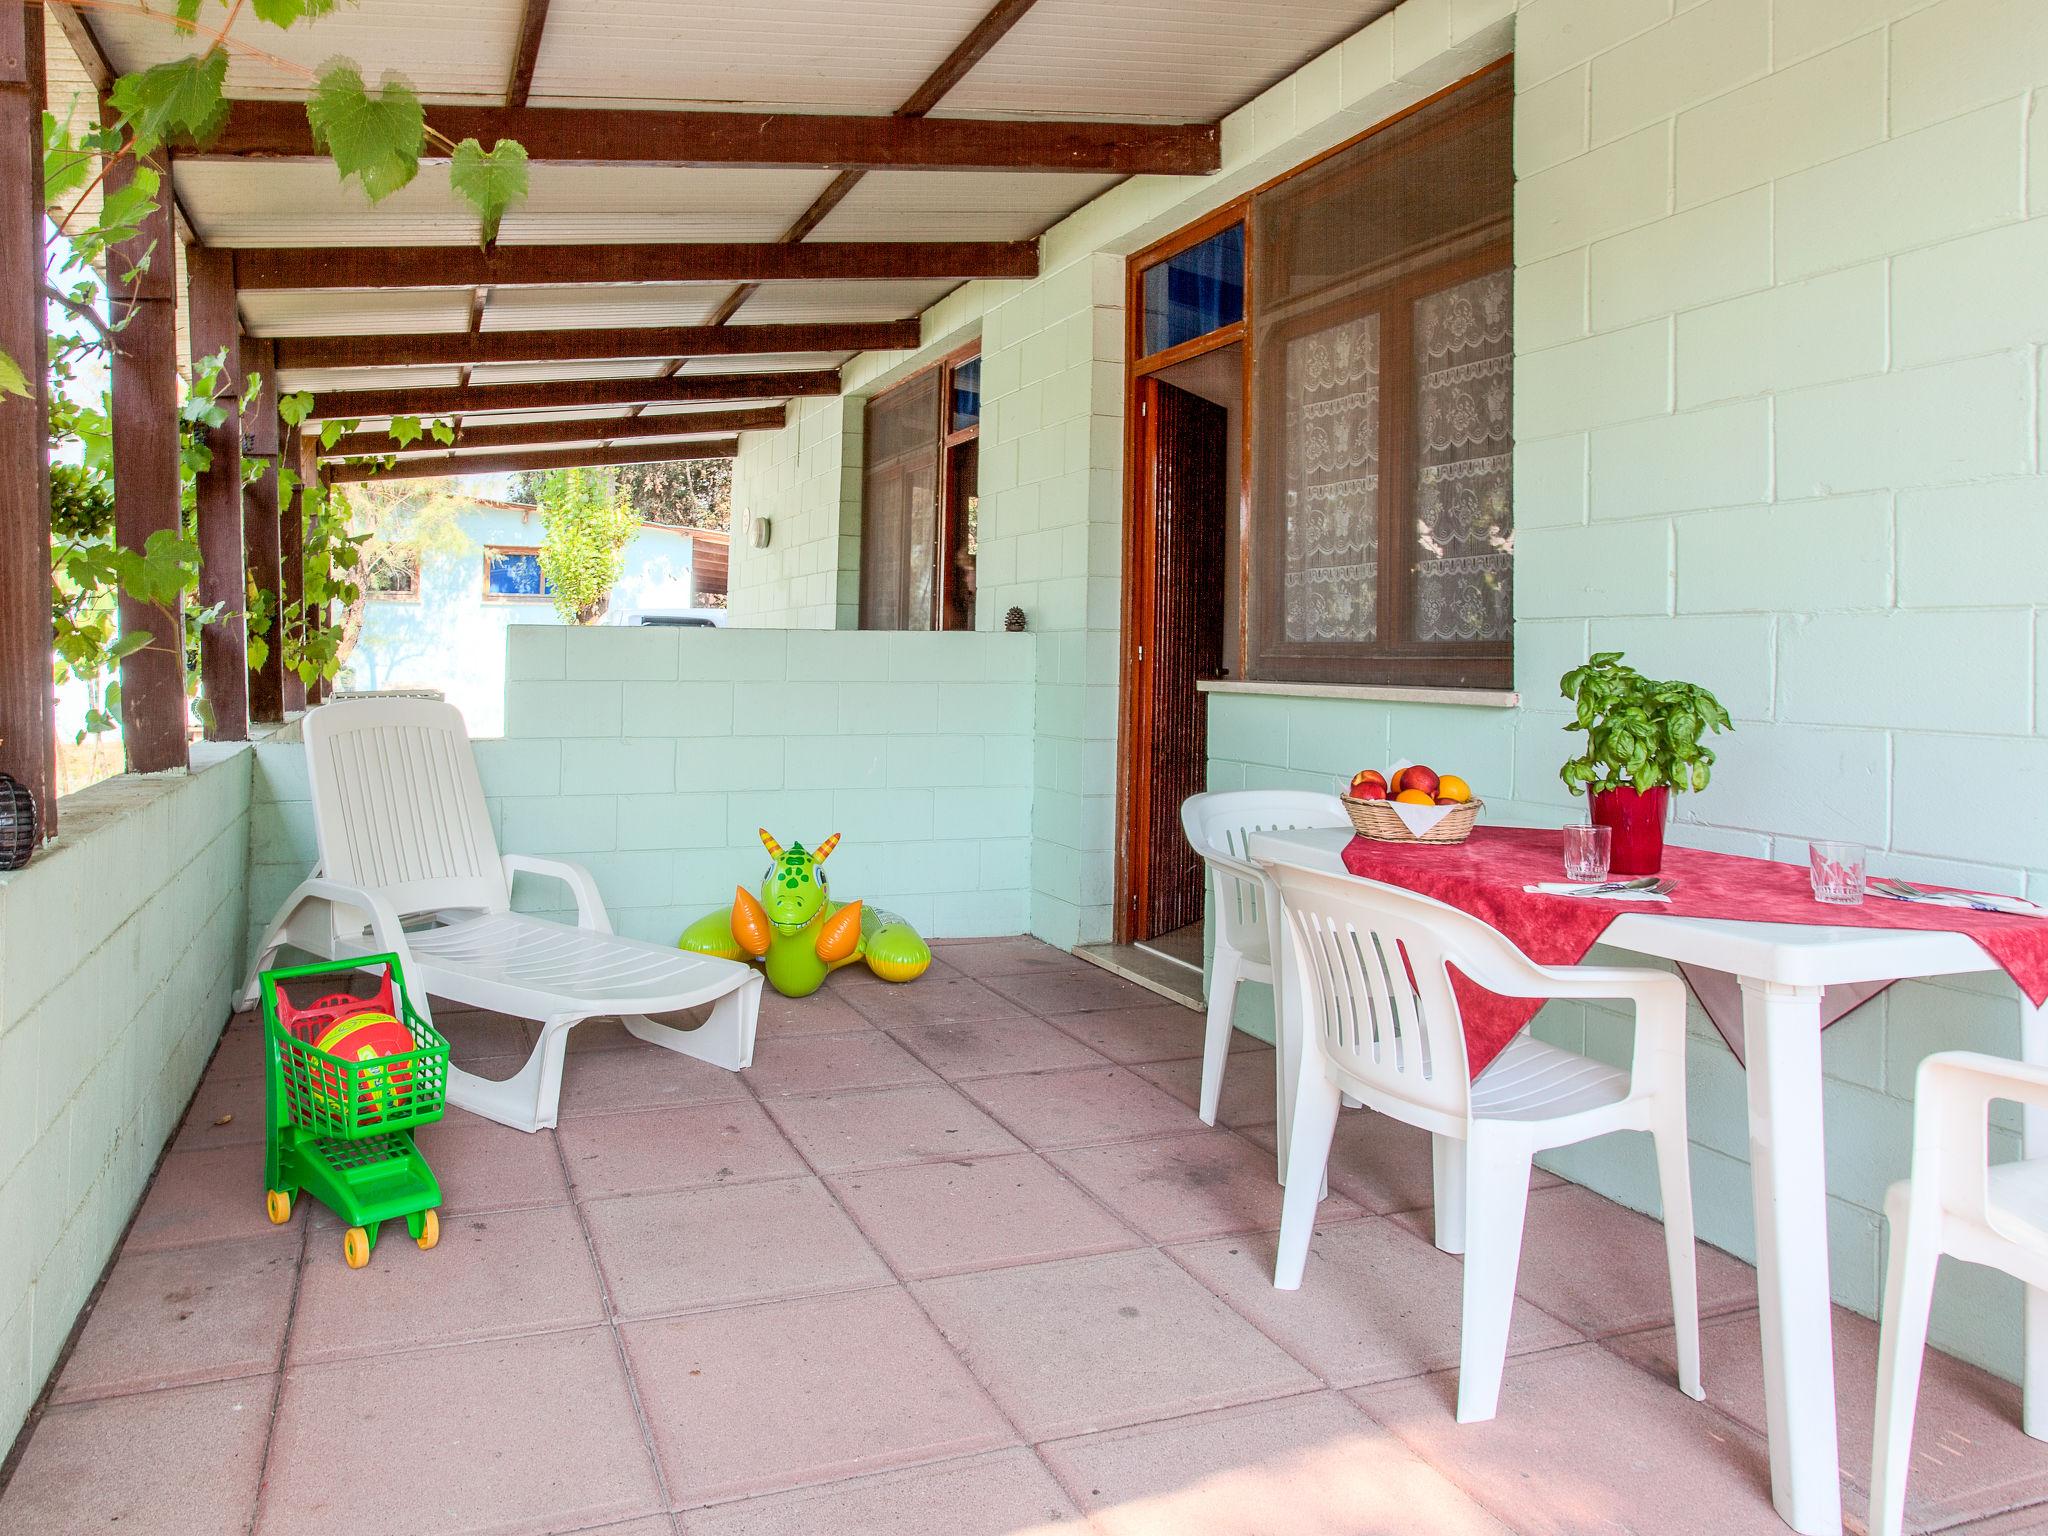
(120, 948)
(652, 756)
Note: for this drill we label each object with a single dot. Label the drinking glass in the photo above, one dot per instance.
(1837, 871)
(1586, 852)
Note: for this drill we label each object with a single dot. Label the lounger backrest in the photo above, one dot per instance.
(398, 806)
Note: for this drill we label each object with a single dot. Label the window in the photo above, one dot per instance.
(513, 576)
(392, 575)
(919, 500)
(1195, 291)
(1382, 530)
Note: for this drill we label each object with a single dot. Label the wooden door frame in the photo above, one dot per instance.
(1134, 733)
(943, 511)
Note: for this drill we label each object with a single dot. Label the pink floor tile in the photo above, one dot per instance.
(240, 1052)
(1176, 1188)
(822, 1013)
(1376, 1304)
(225, 1112)
(985, 1047)
(1004, 1493)
(1147, 1031)
(515, 1437)
(1629, 1286)
(842, 1132)
(800, 1392)
(1079, 1108)
(597, 1082)
(682, 1148)
(493, 1273)
(1098, 1343)
(720, 1247)
(1969, 1458)
(939, 1218)
(1247, 1098)
(1306, 1466)
(185, 1315)
(1583, 1443)
(179, 1463)
(1056, 992)
(205, 1197)
(982, 958)
(484, 1166)
(930, 998)
(829, 1063)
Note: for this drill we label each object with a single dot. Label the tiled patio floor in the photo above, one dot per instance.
(955, 1259)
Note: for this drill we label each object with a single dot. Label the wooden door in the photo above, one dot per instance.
(1177, 614)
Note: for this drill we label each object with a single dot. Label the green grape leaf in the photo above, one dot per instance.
(283, 13)
(67, 166)
(188, 13)
(332, 432)
(491, 182)
(375, 139)
(181, 96)
(294, 409)
(405, 429)
(12, 380)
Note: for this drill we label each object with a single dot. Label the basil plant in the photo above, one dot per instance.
(1639, 731)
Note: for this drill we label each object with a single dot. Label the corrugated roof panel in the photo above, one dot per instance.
(815, 55)
(958, 205)
(1168, 60)
(794, 303)
(699, 407)
(450, 50)
(545, 309)
(359, 313)
(291, 379)
(303, 202)
(613, 204)
(542, 373)
(767, 362)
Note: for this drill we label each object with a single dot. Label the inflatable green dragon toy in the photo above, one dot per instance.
(799, 934)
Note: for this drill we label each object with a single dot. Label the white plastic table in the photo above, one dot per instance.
(1782, 968)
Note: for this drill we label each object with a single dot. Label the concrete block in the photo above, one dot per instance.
(616, 653)
(1713, 251)
(1949, 179)
(1716, 456)
(1615, 187)
(1550, 123)
(1553, 35)
(1924, 670)
(1961, 54)
(1550, 481)
(1698, 55)
(1550, 301)
(1796, 334)
(1776, 126)
(620, 766)
(1823, 781)
(1619, 568)
(1732, 655)
(1801, 28)
(1789, 556)
(562, 824)
(1616, 377)
(835, 762)
(691, 819)
(1926, 821)
(1975, 545)
(729, 762)
(1980, 293)
(563, 709)
(535, 653)
(1926, 426)
(519, 767)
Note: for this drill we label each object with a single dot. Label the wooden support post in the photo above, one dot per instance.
(316, 616)
(291, 556)
(143, 292)
(223, 581)
(260, 529)
(27, 703)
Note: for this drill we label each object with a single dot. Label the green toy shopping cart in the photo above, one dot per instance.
(351, 1070)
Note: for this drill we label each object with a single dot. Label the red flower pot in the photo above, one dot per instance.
(1637, 819)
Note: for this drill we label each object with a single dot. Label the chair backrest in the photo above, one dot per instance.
(1218, 825)
(1371, 965)
(398, 806)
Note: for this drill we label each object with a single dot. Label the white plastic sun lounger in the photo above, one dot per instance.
(409, 866)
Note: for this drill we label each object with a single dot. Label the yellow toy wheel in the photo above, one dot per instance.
(278, 1205)
(355, 1247)
(430, 1230)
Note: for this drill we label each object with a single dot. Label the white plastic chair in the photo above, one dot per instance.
(1954, 1202)
(1382, 1025)
(409, 866)
(1217, 825)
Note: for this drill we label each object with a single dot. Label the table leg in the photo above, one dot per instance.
(2034, 1143)
(1788, 1175)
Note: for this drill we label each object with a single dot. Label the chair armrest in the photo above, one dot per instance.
(1243, 869)
(590, 912)
(387, 928)
(1952, 1097)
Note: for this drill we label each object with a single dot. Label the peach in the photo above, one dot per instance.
(1419, 778)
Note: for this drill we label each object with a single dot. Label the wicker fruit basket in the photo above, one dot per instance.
(1378, 821)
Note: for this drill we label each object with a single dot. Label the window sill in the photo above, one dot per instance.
(1380, 693)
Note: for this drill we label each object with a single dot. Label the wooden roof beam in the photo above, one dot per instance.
(440, 465)
(453, 349)
(570, 394)
(588, 429)
(277, 130)
(512, 266)
(533, 21)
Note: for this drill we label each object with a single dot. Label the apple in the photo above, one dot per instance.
(1368, 784)
(1419, 778)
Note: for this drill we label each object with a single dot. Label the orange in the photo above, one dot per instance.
(1414, 797)
(1452, 789)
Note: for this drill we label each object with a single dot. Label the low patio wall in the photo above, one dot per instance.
(653, 756)
(120, 947)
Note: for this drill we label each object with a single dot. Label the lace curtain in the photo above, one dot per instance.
(1464, 522)
(1330, 569)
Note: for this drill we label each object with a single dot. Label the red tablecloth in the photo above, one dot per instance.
(1485, 874)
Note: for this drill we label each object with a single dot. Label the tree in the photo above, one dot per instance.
(397, 523)
(687, 493)
(586, 524)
